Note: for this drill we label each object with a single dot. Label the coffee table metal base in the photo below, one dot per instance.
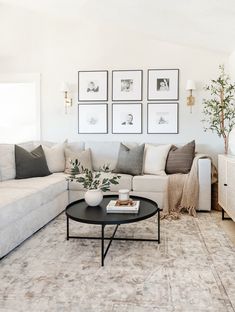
(103, 238)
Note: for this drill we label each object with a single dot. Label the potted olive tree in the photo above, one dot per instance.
(219, 110)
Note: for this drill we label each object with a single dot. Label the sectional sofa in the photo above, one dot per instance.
(26, 205)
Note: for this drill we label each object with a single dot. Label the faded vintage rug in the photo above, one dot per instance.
(193, 270)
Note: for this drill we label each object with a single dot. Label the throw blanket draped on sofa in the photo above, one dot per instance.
(183, 191)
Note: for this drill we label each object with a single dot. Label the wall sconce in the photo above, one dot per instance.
(190, 86)
(68, 102)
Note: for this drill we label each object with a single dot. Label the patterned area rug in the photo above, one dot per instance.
(193, 269)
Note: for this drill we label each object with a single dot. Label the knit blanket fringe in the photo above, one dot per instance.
(182, 191)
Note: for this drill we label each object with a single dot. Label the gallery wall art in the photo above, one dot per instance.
(93, 86)
(162, 88)
(127, 85)
(92, 118)
(126, 118)
(163, 84)
(162, 118)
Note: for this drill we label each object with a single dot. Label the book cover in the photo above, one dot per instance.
(112, 207)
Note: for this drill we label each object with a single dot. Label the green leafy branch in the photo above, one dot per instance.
(92, 180)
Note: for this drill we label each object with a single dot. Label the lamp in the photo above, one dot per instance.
(67, 101)
(190, 86)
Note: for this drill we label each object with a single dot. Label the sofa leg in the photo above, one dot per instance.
(223, 217)
(158, 226)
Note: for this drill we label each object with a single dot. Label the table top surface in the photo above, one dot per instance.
(80, 211)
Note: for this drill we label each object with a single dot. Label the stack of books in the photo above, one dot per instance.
(117, 206)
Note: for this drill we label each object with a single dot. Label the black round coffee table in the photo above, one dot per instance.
(81, 212)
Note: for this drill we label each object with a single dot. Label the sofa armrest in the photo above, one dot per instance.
(204, 178)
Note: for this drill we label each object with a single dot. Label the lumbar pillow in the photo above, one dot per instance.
(130, 160)
(155, 158)
(180, 159)
(55, 157)
(84, 158)
(30, 164)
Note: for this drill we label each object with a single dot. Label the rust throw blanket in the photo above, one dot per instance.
(183, 191)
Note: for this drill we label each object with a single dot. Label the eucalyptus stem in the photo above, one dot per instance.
(92, 180)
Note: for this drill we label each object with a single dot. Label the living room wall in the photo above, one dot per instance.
(232, 65)
(59, 48)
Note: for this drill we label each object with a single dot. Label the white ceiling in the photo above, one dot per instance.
(206, 24)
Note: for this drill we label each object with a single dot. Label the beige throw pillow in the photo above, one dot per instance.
(55, 157)
(84, 158)
(155, 158)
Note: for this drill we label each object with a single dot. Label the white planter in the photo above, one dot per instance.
(93, 197)
(231, 144)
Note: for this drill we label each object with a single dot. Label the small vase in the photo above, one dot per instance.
(93, 197)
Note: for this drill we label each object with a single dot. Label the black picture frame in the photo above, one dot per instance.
(165, 105)
(91, 107)
(126, 106)
(167, 97)
(81, 84)
(128, 99)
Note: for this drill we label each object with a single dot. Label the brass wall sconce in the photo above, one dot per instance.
(68, 102)
(190, 86)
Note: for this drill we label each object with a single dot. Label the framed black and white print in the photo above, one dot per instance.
(93, 86)
(92, 118)
(163, 118)
(127, 118)
(163, 84)
(127, 85)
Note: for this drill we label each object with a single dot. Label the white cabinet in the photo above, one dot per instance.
(226, 175)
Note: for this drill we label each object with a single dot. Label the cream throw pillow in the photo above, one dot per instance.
(155, 158)
(83, 157)
(55, 157)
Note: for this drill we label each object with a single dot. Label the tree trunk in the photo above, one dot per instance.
(226, 145)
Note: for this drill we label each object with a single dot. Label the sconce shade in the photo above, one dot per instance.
(190, 85)
(64, 87)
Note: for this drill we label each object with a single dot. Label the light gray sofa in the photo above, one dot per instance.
(26, 205)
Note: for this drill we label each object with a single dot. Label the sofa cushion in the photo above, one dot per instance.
(155, 158)
(103, 153)
(76, 146)
(30, 164)
(83, 157)
(130, 160)
(7, 162)
(125, 182)
(20, 197)
(44, 143)
(180, 159)
(55, 157)
(150, 183)
(7, 159)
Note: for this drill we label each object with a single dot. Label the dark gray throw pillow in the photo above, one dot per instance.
(130, 160)
(30, 164)
(179, 160)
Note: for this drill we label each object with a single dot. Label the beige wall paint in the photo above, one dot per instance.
(58, 49)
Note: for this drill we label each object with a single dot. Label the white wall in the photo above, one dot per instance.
(232, 65)
(58, 49)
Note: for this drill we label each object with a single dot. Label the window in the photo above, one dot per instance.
(19, 108)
